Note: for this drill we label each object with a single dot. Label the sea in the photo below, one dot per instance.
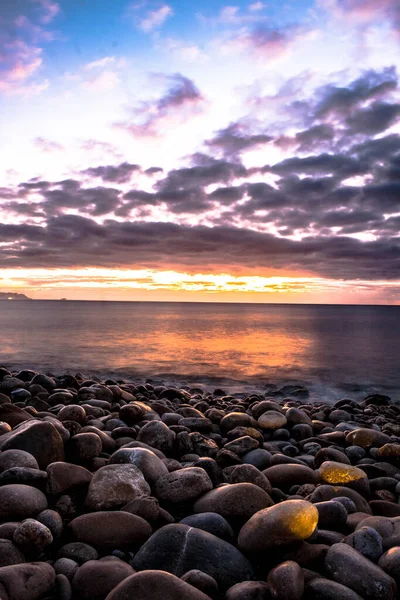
(336, 351)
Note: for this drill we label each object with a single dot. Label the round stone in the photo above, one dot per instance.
(286, 581)
(155, 585)
(289, 521)
(183, 485)
(95, 579)
(110, 530)
(17, 458)
(272, 419)
(113, 486)
(19, 501)
(28, 581)
(32, 535)
(149, 464)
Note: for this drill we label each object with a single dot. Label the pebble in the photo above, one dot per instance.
(204, 495)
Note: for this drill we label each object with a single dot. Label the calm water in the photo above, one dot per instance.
(335, 350)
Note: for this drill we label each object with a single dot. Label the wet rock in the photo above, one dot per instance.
(285, 476)
(332, 515)
(367, 438)
(157, 435)
(367, 541)
(86, 446)
(78, 552)
(250, 474)
(23, 475)
(272, 420)
(115, 485)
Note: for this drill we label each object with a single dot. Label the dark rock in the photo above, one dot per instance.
(212, 523)
(285, 476)
(111, 529)
(39, 438)
(367, 541)
(52, 519)
(157, 435)
(28, 581)
(286, 581)
(20, 502)
(249, 590)
(10, 554)
(201, 581)
(149, 464)
(320, 588)
(183, 485)
(11, 414)
(79, 552)
(23, 475)
(155, 585)
(63, 476)
(179, 548)
(115, 485)
(95, 579)
(347, 566)
(31, 535)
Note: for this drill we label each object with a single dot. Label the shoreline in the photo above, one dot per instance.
(110, 490)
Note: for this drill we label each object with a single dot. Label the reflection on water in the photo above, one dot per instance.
(329, 345)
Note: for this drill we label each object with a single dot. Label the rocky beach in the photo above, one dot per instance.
(114, 490)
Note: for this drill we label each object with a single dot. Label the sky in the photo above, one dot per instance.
(200, 151)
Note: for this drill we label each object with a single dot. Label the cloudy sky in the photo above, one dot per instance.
(193, 150)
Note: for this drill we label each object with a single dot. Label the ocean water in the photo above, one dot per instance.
(336, 351)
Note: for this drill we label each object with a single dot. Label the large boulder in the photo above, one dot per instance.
(179, 548)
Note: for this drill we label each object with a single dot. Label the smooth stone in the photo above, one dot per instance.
(19, 501)
(332, 515)
(388, 528)
(10, 554)
(201, 581)
(285, 476)
(335, 473)
(367, 541)
(384, 508)
(147, 507)
(183, 485)
(212, 523)
(24, 475)
(260, 458)
(296, 416)
(32, 535)
(249, 590)
(331, 492)
(113, 486)
(350, 568)
(110, 529)
(17, 458)
(149, 464)
(286, 581)
(367, 438)
(39, 438)
(390, 563)
(78, 552)
(66, 566)
(320, 588)
(238, 501)
(242, 445)
(179, 548)
(250, 474)
(329, 454)
(86, 446)
(272, 420)
(95, 579)
(52, 519)
(155, 585)
(289, 521)
(236, 419)
(13, 415)
(27, 581)
(63, 588)
(157, 435)
(63, 476)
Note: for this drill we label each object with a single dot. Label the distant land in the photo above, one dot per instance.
(13, 296)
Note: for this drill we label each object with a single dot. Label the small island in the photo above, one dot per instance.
(13, 296)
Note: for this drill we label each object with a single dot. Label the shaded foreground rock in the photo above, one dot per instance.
(155, 585)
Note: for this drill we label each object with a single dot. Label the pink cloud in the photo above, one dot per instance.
(50, 10)
(365, 11)
(156, 18)
(47, 146)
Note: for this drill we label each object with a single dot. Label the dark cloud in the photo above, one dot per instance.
(114, 173)
(235, 139)
(181, 100)
(372, 120)
(70, 241)
(338, 164)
